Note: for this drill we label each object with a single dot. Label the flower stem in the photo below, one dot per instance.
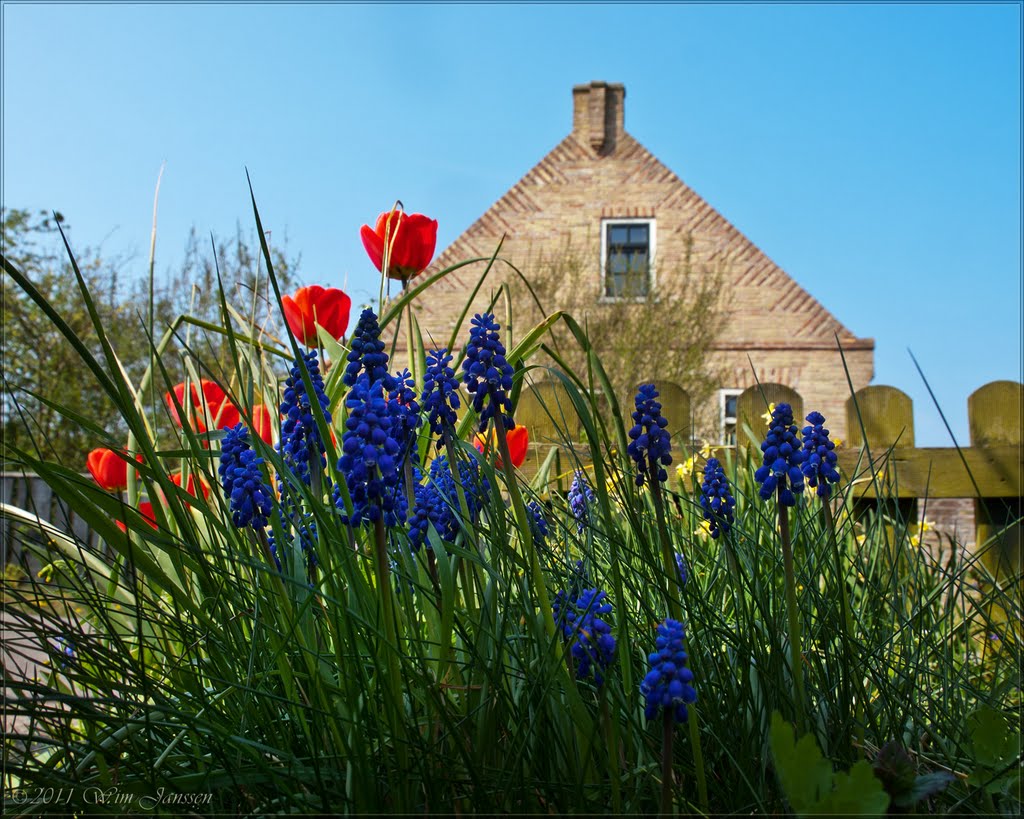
(668, 732)
(525, 530)
(844, 607)
(390, 632)
(460, 492)
(611, 742)
(698, 755)
(675, 607)
(796, 655)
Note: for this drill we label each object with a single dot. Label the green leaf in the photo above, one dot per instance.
(860, 792)
(990, 737)
(804, 775)
(926, 785)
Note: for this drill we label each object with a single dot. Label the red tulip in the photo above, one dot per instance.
(109, 469)
(518, 442)
(146, 510)
(213, 400)
(411, 238)
(326, 306)
(261, 422)
(190, 487)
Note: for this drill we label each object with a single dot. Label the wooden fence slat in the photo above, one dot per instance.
(752, 404)
(994, 418)
(887, 415)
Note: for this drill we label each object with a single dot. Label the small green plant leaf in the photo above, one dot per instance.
(804, 775)
(859, 792)
(926, 785)
(990, 737)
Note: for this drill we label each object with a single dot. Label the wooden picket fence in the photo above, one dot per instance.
(879, 454)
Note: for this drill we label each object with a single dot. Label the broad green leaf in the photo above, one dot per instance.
(990, 737)
(859, 793)
(804, 775)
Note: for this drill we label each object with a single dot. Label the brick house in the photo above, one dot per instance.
(631, 223)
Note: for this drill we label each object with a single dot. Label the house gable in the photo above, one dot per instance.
(600, 171)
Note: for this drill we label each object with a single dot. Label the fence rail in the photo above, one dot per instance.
(880, 424)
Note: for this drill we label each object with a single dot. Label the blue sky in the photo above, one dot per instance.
(872, 151)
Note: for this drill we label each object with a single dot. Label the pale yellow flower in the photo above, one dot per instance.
(685, 470)
(705, 451)
(704, 530)
(917, 531)
(768, 415)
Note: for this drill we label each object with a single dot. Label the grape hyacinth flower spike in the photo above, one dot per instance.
(367, 354)
(591, 642)
(650, 445)
(783, 458)
(301, 444)
(370, 457)
(666, 688)
(538, 524)
(715, 498)
(581, 496)
(240, 475)
(440, 396)
(486, 373)
(819, 466)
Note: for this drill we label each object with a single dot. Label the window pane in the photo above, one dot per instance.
(618, 234)
(638, 262)
(618, 263)
(637, 286)
(638, 234)
(730, 406)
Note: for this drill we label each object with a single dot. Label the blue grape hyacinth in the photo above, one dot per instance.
(301, 443)
(783, 458)
(367, 353)
(666, 688)
(581, 620)
(649, 446)
(580, 498)
(403, 404)
(370, 459)
(66, 649)
(715, 498)
(440, 396)
(819, 466)
(240, 475)
(447, 517)
(486, 373)
(682, 568)
(538, 523)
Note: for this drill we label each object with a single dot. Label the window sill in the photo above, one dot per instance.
(628, 300)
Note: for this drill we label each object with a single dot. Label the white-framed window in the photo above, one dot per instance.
(727, 399)
(627, 259)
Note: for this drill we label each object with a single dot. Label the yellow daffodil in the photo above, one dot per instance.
(703, 531)
(685, 470)
(768, 415)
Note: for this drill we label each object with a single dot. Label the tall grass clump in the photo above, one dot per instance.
(312, 593)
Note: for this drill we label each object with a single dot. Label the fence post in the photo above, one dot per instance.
(675, 406)
(547, 412)
(994, 420)
(884, 416)
(751, 406)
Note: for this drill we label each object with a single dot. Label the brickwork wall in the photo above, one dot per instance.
(599, 171)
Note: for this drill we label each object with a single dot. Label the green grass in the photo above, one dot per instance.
(199, 669)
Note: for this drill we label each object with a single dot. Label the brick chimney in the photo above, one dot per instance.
(597, 117)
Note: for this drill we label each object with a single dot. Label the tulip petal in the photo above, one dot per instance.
(374, 245)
